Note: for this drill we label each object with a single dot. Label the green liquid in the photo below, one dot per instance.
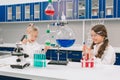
(47, 43)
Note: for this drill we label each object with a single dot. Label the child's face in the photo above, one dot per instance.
(33, 36)
(96, 38)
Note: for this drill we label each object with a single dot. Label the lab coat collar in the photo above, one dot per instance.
(96, 47)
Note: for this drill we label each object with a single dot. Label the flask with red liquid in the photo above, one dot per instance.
(50, 10)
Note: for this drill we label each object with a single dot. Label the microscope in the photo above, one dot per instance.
(21, 58)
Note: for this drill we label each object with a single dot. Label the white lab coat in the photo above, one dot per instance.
(107, 58)
(31, 48)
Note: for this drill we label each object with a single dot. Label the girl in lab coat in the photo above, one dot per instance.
(100, 49)
(27, 34)
(31, 45)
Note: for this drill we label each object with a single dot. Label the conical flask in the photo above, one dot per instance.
(49, 9)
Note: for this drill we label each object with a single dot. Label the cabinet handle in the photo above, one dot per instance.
(75, 54)
(117, 57)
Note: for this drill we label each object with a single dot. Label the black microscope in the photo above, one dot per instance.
(21, 58)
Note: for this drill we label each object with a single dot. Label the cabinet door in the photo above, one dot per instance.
(95, 8)
(109, 8)
(75, 55)
(69, 9)
(9, 13)
(37, 11)
(2, 13)
(18, 12)
(83, 9)
(28, 12)
(117, 59)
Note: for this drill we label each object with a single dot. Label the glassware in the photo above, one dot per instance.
(50, 10)
(39, 59)
(65, 37)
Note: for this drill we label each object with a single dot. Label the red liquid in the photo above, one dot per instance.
(87, 56)
(92, 64)
(50, 12)
(87, 64)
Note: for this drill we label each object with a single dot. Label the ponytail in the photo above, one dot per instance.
(102, 48)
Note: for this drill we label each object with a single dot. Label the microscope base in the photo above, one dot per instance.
(18, 66)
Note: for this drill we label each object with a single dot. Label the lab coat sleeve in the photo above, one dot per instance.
(107, 58)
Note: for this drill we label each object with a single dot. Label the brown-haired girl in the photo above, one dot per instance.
(101, 50)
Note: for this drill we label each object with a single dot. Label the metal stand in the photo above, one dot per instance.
(58, 61)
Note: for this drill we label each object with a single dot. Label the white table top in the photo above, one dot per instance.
(72, 71)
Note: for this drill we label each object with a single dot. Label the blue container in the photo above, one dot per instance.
(65, 42)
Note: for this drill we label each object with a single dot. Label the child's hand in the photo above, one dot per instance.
(46, 48)
(30, 41)
(87, 52)
(85, 49)
(24, 41)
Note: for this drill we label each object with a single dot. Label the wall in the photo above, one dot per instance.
(12, 32)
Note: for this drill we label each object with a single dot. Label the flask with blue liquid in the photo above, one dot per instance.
(65, 36)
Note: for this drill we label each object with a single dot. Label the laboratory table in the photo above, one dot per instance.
(72, 71)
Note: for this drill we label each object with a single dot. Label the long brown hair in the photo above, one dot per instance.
(101, 30)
